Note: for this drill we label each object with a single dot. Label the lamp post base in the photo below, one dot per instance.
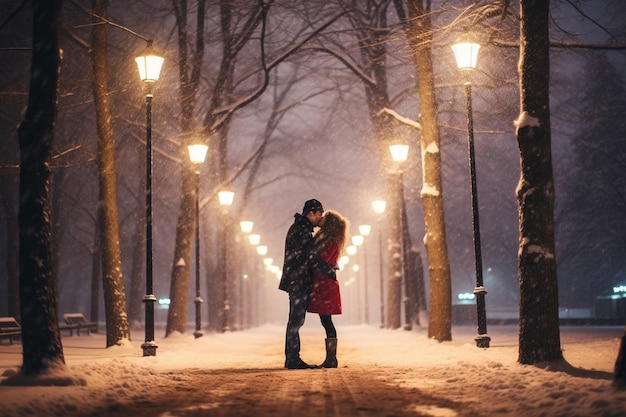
(198, 333)
(482, 341)
(149, 348)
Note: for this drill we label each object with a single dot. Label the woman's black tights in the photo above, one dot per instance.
(327, 322)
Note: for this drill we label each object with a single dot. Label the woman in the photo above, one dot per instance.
(325, 298)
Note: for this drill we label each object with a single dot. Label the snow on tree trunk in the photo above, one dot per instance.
(41, 341)
(539, 315)
(419, 30)
(117, 329)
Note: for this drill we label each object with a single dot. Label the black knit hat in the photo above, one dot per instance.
(312, 205)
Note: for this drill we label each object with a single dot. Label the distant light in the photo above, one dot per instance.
(379, 206)
(164, 301)
(275, 269)
(254, 239)
(351, 250)
(246, 226)
(357, 240)
(355, 267)
(620, 289)
(245, 276)
(261, 250)
(466, 296)
(226, 197)
(268, 261)
(365, 229)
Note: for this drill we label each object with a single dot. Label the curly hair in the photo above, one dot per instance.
(333, 226)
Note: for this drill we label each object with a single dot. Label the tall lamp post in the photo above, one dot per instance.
(399, 154)
(365, 230)
(226, 200)
(197, 155)
(466, 54)
(379, 208)
(149, 65)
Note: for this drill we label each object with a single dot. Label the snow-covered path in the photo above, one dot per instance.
(381, 373)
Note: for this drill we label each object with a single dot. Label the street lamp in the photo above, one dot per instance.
(399, 154)
(466, 54)
(261, 250)
(197, 155)
(379, 208)
(149, 65)
(226, 200)
(254, 239)
(246, 226)
(365, 230)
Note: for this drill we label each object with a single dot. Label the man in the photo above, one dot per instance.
(297, 277)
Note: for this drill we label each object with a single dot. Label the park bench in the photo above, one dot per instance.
(9, 329)
(78, 322)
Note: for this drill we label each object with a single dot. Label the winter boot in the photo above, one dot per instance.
(297, 363)
(331, 354)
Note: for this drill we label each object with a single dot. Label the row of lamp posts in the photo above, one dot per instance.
(149, 64)
(466, 54)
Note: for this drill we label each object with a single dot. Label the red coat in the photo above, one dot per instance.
(325, 297)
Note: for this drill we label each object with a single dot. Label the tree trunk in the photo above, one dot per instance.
(9, 187)
(539, 313)
(372, 38)
(395, 266)
(179, 284)
(41, 341)
(96, 273)
(415, 298)
(419, 30)
(117, 329)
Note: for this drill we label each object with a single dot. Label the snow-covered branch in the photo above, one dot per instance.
(402, 119)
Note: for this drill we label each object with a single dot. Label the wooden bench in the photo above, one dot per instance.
(78, 322)
(10, 329)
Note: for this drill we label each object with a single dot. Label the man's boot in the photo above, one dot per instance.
(331, 354)
(294, 362)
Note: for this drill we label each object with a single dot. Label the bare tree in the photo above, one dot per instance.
(117, 329)
(539, 315)
(419, 35)
(189, 69)
(41, 341)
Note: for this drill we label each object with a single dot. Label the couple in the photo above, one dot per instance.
(310, 279)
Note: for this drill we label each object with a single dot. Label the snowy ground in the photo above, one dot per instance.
(381, 373)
